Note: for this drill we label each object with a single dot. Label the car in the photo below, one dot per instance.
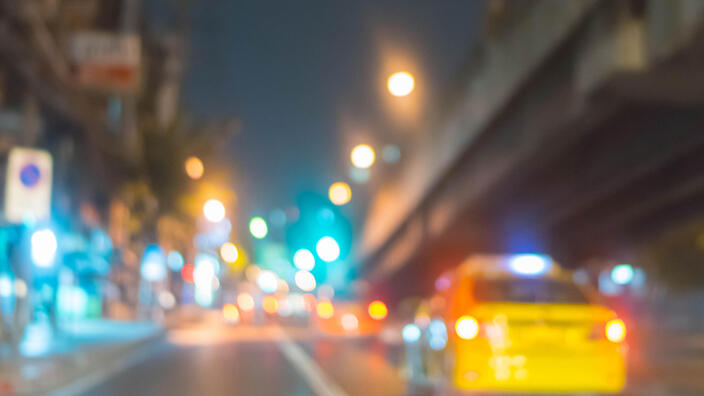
(519, 323)
(348, 319)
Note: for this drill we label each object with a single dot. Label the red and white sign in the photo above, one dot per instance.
(107, 61)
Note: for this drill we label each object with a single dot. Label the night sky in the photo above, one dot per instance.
(296, 72)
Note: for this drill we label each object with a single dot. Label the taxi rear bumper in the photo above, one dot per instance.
(601, 369)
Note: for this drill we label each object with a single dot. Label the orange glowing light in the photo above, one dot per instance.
(362, 156)
(194, 168)
(377, 310)
(325, 309)
(230, 313)
(228, 252)
(245, 301)
(270, 305)
(401, 84)
(340, 193)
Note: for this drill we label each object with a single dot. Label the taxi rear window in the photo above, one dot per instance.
(528, 290)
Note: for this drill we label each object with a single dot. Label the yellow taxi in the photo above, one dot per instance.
(519, 323)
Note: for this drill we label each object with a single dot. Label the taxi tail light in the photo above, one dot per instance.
(467, 327)
(614, 330)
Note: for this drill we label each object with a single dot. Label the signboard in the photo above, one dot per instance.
(28, 185)
(107, 61)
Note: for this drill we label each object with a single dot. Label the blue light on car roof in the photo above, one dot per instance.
(529, 264)
(622, 274)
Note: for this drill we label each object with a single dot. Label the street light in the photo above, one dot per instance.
(194, 168)
(340, 193)
(401, 84)
(362, 156)
(304, 260)
(228, 252)
(214, 210)
(258, 227)
(328, 250)
(305, 281)
(43, 247)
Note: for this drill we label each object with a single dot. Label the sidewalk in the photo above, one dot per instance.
(47, 363)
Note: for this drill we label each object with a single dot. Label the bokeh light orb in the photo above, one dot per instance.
(340, 193)
(230, 313)
(467, 327)
(194, 168)
(377, 310)
(228, 252)
(363, 156)
(44, 247)
(327, 248)
(214, 210)
(622, 274)
(325, 309)
(270, 305)
(267, 281)
(305, 281)
(245, 301)
(304, 260)
(359, 176)
(174, 260)
(166, 299)
(187, 273)
(615, 330)
(258, 227)
(391, 154)
(349, 322)
(411, 333)
(401, 84)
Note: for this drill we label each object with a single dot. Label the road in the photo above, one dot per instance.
(254, 361)
(218, 360)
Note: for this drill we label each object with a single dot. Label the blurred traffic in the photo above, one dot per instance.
(351, 198)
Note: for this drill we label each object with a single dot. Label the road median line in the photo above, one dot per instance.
(316, 378)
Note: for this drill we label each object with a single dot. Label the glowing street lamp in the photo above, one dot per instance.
(362, 156)
(340, 193)
(401, 84)
(43, 247)
(228, 252)
(304, 260)
(327, 248)
(214, 210)
(305, 281)
(194, 168)
(258, 227)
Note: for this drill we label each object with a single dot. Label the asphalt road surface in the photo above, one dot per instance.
(257, 362)
(213, 361)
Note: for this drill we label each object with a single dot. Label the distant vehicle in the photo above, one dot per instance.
(347, 318)
(519, 323)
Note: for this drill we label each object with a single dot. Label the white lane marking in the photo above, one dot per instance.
(321, 384)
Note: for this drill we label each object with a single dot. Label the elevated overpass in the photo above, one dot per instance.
(578, 129)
